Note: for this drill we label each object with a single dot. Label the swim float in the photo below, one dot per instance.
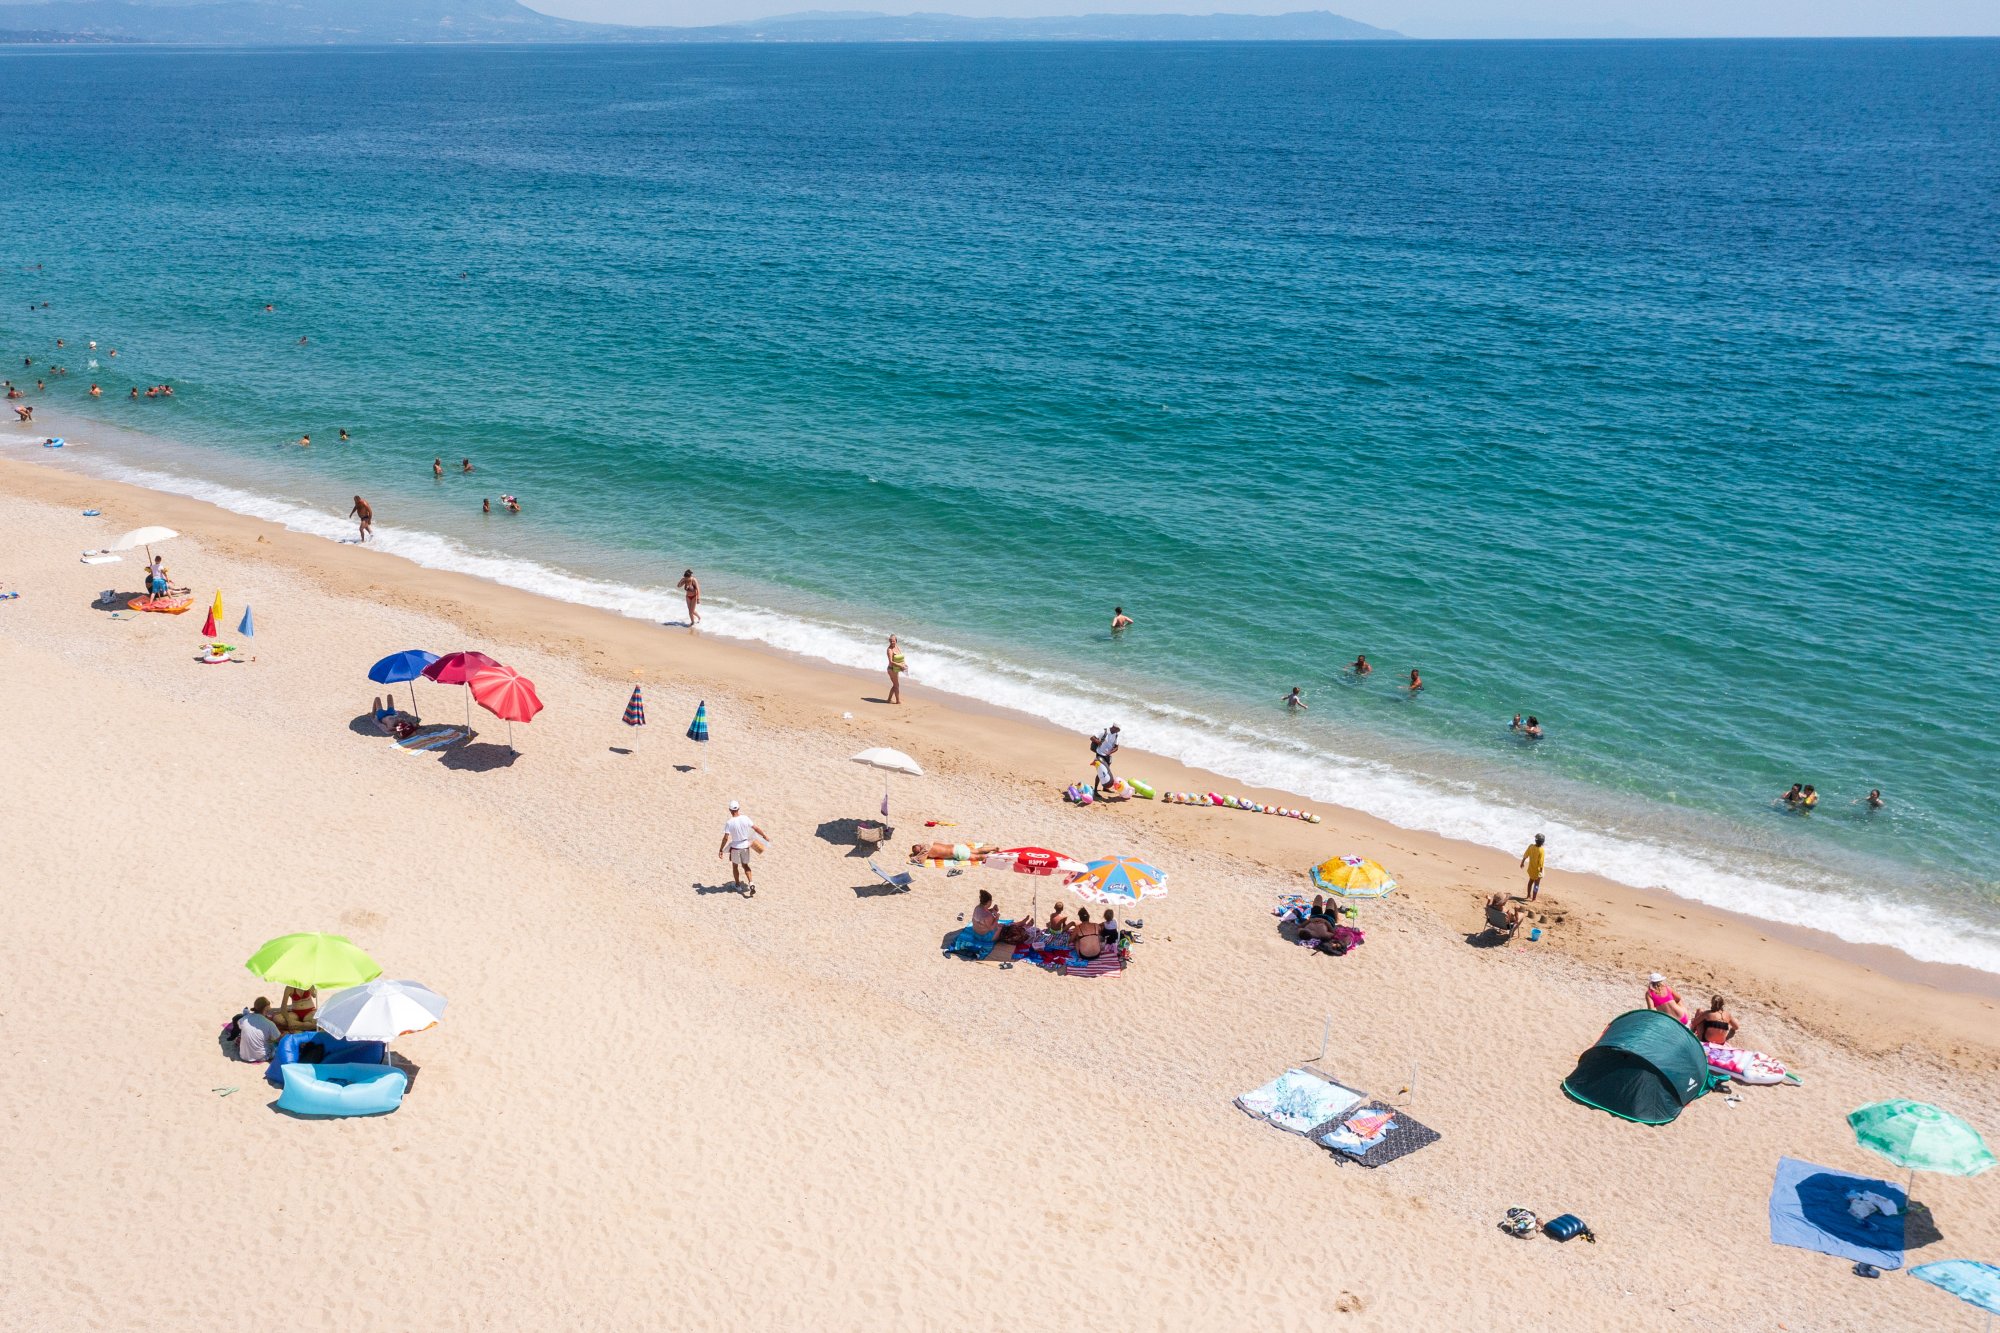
(337, 1090)
(171, 606)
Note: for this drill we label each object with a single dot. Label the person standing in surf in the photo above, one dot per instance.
(691, 585)
(365, 514)
(898, 664)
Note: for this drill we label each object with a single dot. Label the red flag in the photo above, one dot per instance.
(208, 626)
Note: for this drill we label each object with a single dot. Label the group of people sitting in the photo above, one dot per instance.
(260, 1027)
(1088, 938)
(1714, 1025)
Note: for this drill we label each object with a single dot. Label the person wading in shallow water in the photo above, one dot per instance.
(691, 585)
(365, 514)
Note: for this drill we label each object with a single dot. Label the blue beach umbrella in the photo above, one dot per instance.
(399, 667)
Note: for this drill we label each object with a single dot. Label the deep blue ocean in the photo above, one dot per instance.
(1649, 388)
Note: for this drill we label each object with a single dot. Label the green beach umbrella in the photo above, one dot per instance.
(1921, 1137)
(312, 959)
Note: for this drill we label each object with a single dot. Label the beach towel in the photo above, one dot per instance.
(1809, 1209)
(1401, 1135)
(433, 738)
(1299, 1101)
(971, 944)
(1109, 963)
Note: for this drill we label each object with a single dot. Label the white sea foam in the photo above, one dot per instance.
(1240, 753)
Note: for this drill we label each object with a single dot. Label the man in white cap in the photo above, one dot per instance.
(738, 841)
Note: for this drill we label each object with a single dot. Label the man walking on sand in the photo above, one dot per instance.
(738, 842)
(1532, 860)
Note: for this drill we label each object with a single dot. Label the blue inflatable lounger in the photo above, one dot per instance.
(332, 1090)
(317, 1048)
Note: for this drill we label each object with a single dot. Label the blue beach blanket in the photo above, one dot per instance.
(1809, 1210)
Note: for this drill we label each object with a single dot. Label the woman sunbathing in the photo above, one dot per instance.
(952, 851)
(1086, 936)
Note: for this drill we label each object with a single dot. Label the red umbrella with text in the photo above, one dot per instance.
(457, 669)
(505, 693)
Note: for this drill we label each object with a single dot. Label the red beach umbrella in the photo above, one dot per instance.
(505, 693)
(1036, 861)
(457, 669)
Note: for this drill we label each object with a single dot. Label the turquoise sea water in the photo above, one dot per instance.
(1651, 388)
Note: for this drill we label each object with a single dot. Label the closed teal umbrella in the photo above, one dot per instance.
(1921, 1137)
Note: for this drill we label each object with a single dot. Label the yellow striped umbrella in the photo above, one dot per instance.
(1352, 877)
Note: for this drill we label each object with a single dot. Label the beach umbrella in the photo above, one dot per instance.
(457, 669)
(208, 625)
(507, 694)
(698, 731)
(1035, 861)
(215, 611)
(889, 761)
(1352, 877)
(248, 629)
(635, 709)
(1119, 879)
(1976, 1284)
(313, 959)
(381, 1011)
(397, 668)
(1920, 1136)
(144, 537)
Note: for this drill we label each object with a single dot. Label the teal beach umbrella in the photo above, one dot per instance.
(698, 731)
(1921, 1137)
(1977, 1284)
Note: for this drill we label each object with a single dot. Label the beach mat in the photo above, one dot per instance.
(1809, 1210)
(1404, 1135)
(1299, 1101)
(433, 738)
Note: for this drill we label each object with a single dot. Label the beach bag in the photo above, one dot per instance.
(1568, 1227)
(1519, 1223)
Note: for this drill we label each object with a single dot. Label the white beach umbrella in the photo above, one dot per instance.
(889, 761)
(381, 1011)
(144, 537)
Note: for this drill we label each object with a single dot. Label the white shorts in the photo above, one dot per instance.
(739, 856)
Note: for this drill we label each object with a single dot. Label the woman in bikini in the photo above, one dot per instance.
(1086, 936)
(690, 585)
(299, 1011)
(897, 666)
(1715, 1025)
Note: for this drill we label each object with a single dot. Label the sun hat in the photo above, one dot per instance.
(1655, 978)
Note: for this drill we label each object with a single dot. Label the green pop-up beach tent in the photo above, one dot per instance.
(1645, 1067)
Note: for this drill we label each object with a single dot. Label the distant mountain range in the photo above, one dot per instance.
(310, 22)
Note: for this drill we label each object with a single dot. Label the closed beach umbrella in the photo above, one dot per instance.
(698, 731)
(507, 694)
(398, 667)
(313, 959)
(208, 625)
(215, 611)
(889, 761)
(1119, 879)
(1921, 1137)
(635, 709)
(248, 629)
(457, 669)
(144, 537)
(1352, 877)
(1977, 1284)
(381, 1011)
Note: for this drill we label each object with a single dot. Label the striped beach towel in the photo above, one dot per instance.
(433, 738)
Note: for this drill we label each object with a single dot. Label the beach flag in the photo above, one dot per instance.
(208, 630)
(697, 729)
(247, 628)
(635, 710)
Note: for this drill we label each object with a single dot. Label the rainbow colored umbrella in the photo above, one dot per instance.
(1352, 877)
(635, 710)
(1119, 879)
(507, 694)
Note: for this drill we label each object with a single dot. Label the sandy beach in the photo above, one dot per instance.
(655, 1103)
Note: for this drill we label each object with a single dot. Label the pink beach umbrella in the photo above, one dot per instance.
(457, 669)
(507, 694)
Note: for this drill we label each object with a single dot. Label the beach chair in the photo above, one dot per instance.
(873, 835)
(899, 882)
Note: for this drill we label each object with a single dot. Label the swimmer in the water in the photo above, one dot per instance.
(1791, 797)
(1808, 798)
(1119, 620)
(305, 441)
(1873, 800)
(437, 468)
(93, 344)
(59, 343)
(112, 352)
(1295, 699)
(513, 505)
(343, 433)
(135, 391)
(465, 465)
(1416, 681)
(1533, 730)
(486, 506)
(96, 392)
(302, 342)
(270, 309)
(1360, 667)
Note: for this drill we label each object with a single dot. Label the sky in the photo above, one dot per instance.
(1417, 18)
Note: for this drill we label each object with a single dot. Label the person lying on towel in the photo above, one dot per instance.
(951, 851)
